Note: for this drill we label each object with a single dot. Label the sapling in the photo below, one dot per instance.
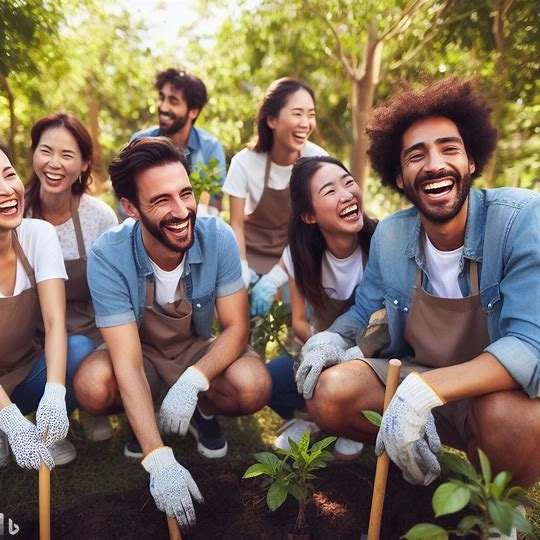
(206, 178)
(291, 474)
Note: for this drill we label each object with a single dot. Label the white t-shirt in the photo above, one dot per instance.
(245, 177)
(339, 276)
(40, 245)
(166, 290)
(443, 269)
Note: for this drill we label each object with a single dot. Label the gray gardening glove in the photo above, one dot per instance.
(172, 486)
(320, 351)
(408, 432)
(24, 440)
(180, 402)
(52, 422)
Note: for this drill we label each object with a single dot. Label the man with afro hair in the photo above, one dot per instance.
(458, 275)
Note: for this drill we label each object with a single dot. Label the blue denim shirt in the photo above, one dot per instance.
(503, 236)
(201, 145)
(119, 269)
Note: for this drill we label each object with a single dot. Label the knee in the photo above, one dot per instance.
(79, 347)
(256, 389)
(94, 383)
(327, 403)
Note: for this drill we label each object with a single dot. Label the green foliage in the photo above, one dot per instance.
(292, 473)
(374, 417)
(272, 328)
(206, 178)
(492, 501)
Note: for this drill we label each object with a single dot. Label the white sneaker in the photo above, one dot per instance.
(4, 450)
(96, 428)
(62, 452)
(347, 449)
(294, 429)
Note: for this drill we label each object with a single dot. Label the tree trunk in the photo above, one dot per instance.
(12, 118)
(363, 95)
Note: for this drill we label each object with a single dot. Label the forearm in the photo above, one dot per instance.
(4, 399)
(481, 375)
(302, 330)
(237, 223)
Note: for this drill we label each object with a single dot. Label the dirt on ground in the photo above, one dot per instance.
(235, 508)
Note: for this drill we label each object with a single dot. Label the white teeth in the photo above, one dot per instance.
(178, 227)
(349, 209)
(8, 204)
(51, 176)
(437, 185)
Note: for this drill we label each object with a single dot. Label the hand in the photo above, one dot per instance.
(24, 440)
(180, 402)
(248, 275)
(51, 417)
(172, 486)
(408, 432)
(265, 289)
(320, 351)
(353, 353)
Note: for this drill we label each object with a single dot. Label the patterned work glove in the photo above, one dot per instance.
(265, 289)
(320, 351)
(408, 432)
(51, 416)
(180, 402)
(24, 440)
(172, 486)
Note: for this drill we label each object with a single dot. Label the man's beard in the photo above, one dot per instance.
(156, 231)
(176, 126)
(434, 213)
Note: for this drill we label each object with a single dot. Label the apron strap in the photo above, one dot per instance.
(474, 277)
(22, 257)
(77, 227)
(267, 169)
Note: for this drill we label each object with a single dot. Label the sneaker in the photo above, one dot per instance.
(211, 442)
(133, 449)
(62, 452)
(346, 449)
(294, 429)
(96, 428)
(4, 450)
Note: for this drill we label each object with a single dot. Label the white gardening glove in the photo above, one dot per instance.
(265, 289)
(26, 444)
(353, 353)
(320, 351)
(52, 422)
(172, 486)
(408, 432)
(248, 275)
(180, 402)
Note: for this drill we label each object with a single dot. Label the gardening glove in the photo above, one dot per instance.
(180, 402)
(172, 486)
(51, 417)
(265, 290)
(248, 275)
(320, 351)
(408, 432)
(26, 444)
(353, 353)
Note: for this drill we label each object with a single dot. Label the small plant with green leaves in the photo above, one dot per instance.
(206, 178)
(292, 473)
(273, 328)
(492, 500)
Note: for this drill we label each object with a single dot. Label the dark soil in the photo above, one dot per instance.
(236, 508)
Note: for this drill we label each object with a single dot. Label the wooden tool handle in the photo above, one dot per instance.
(174, 529)
(44, 502)
(381, 471)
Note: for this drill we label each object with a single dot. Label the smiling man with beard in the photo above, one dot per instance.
(181, 97)
(156, 282)
(458, 275)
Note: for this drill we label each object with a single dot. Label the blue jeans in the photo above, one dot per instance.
(285, 398)
(28, 393)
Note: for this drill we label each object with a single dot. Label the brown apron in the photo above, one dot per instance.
(265, 230)
(441, 331)
(166, 338)
(80, 318)
(19, 315)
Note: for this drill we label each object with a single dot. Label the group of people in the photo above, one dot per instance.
(440, 285)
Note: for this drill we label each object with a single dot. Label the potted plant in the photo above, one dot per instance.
(290, 472)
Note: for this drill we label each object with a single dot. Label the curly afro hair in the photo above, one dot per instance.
(452, 98)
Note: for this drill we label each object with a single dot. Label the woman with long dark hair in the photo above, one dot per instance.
(59, 192)
(258, 185)
(329, 237)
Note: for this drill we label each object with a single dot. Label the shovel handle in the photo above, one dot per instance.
(174, 529)
(381, 470)
(44, 502)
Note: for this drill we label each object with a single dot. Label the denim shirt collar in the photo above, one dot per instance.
(474, 233)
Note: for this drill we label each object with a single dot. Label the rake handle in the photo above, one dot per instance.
(381, 470)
